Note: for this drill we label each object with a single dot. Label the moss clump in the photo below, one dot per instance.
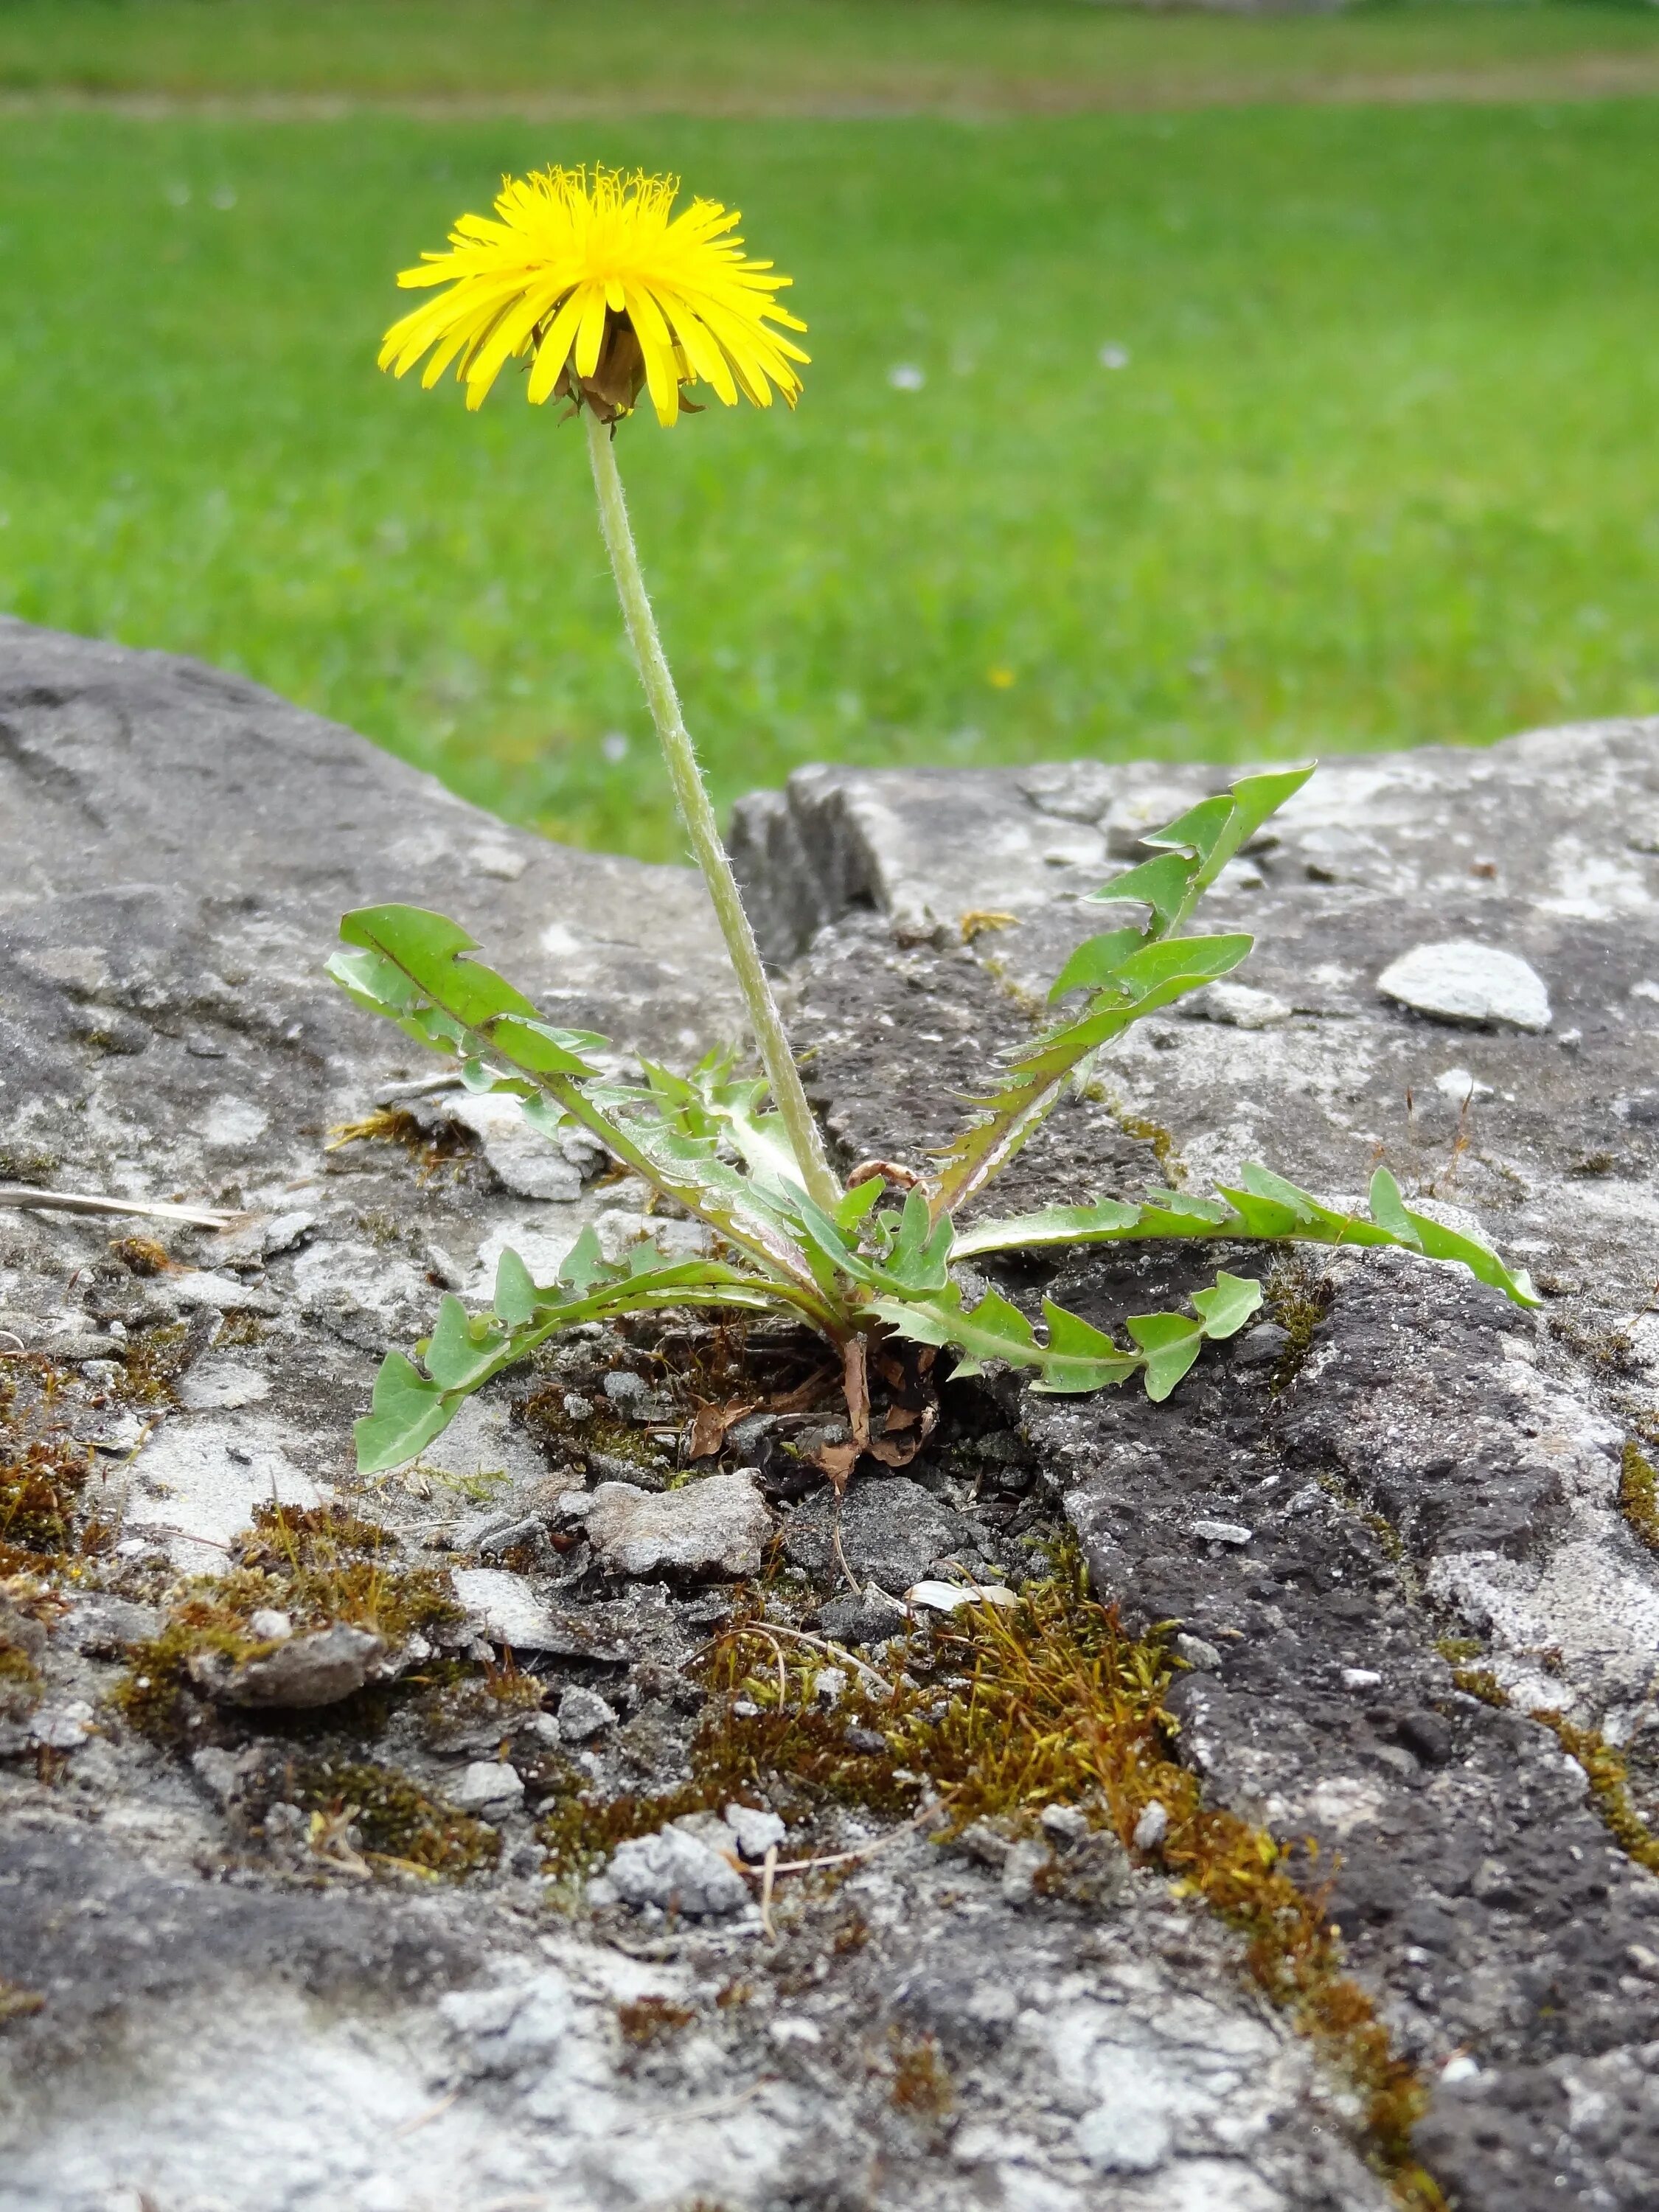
(921, 2080)
(1055, 1704)
(1608, 1775)
(43, 1470)
(318, 1566)
(1639, 1494)
(1297, 1293)
(646, 2021)
(396, 1822)
(141, 1255)
(155, 1361)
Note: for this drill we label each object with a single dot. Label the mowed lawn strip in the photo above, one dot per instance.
(1378, 466)
(753, 56)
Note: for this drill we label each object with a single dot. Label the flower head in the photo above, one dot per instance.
(606, 292)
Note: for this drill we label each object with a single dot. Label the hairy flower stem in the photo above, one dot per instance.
(698, 816)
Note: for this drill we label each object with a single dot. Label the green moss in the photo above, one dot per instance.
(1639, 1494)
(1054, 1703)
(1296, 1294)
(318, 1566)
(43, 1470)
(397, 1822)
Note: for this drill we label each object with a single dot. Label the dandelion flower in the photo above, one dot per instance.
(605, 292)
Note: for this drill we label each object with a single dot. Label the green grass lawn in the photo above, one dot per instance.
(753, 55)
(1381, 466)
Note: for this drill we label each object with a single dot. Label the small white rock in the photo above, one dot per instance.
(829, 1684)
(1462, 981)
(1222, 1532)
(270, 1625)
(1152, 1827)
(584, 1714)
(1198, 1653)
(1361, 1678)
(756, 1831)
(1238, 1006)
(62, 1727)
(1460, 1086)
(487, 1787)
(675, 1870)
(948, 1597)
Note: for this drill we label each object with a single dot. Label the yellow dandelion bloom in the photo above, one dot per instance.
(606, 292)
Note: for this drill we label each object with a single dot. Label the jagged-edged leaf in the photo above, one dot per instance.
(1162, 884)
(1254, 799)
(585, 1264)
(542, 1050)
(1388, 1209)
(1094, 962)
(1199, 831)
(1170, 1343)
(515, 1290)
(461, 1349)
(1107, 1217)
(1079, 1357)
(431, 951)
(1227, 1304)
(408, 1412)
(1184, 960)
(857, 1202)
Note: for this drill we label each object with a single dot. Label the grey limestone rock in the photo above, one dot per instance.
(303, 1672)
(676, 1872)
(718, 1525)
(891, 1530)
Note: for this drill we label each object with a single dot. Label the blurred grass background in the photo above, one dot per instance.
(1171, 424)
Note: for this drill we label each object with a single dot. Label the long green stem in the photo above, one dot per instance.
(698, 817)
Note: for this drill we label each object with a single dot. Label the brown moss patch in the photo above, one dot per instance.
(1639, 1492)
(43, 1470)
(921, 2080)
(1609, 1777)
(1296, 1294)
(142, 1255)
(380, 1814)
(320, 1566)
(646, 2021)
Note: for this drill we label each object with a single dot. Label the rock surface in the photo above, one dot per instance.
(1436, 1468)
(1030, 2023)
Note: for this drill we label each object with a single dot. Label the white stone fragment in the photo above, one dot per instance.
(676, 1872)
(1222, 1532)
(1460, 1086)
(527, 1162)
(488, 1787)
(583, 1714)
(719, 1525)
(1238, 1006)
(508, 1609)
(756, 1831)
(1463, 981)
(1361, 1678)
(949, 1597)
(1152, 1827)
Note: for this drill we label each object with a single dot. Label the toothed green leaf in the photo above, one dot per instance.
(1094, 962)
(515, 1290)
(1170, 1342)
(1227, 1304)
(461, 1350)
(408, 1412)
(1162, 884)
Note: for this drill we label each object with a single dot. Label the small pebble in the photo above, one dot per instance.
(488, 1787)
(1222, 1532)
(757, 1830)
(1361, 1678)
(269, 1626)
(829, 1684)
(584, 1714)
(1067, 1822)
(1198, 1653)
(1152, 1827)
(576, 1408)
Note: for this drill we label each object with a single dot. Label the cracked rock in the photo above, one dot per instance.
(677, 1872)
(717, 1526)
